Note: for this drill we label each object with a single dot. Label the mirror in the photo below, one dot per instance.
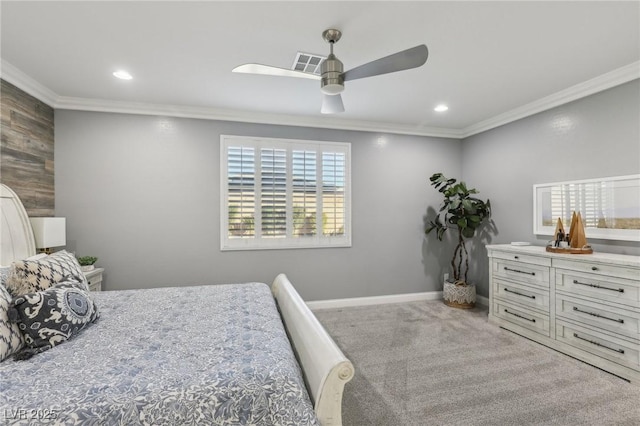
(610, 207)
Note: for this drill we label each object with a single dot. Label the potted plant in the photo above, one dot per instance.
(87, 263)
(463, 212)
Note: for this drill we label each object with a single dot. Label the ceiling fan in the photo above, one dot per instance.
(332, 76)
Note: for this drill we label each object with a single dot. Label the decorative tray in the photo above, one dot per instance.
(570, 250)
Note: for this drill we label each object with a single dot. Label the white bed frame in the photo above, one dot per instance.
(325, 368)
(16, 235)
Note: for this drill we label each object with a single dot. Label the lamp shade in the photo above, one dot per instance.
(49, 231)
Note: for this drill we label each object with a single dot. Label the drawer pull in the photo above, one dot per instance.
(519, 294)
(593, 314)
(519, 316)
(594, 268)
(620, 351)
(518, 271)
(619, 290)
(516, 257)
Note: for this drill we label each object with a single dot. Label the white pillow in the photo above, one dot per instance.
(33, 275)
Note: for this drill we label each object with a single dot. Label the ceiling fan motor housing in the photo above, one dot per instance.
(332, 79)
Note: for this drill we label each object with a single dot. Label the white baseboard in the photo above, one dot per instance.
(381, 300)
(374, 300)
(481, 300)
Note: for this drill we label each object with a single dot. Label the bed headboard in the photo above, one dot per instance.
(16, 235)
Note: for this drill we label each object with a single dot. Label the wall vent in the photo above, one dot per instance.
(308, 62)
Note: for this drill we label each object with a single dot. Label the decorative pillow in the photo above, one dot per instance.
(37, 256)
(33, 275)
(4, 274)
(5, 271)
(50, 317)
(11, 339)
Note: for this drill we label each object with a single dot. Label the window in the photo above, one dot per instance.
(279, 193)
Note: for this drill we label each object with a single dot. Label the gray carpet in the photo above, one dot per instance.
(423, 363)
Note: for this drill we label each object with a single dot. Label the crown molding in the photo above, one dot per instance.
(605, 81)
(102, 105)
(24, 82)
(611, 79)
(27, 84)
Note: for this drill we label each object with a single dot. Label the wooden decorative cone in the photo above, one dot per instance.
(572, 227)
(559, 227)
(578, 237)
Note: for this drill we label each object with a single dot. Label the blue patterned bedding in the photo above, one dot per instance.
(215, 355)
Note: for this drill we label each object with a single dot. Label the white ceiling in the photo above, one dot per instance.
(491, 62)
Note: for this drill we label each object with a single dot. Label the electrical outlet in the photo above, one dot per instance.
(446, 277)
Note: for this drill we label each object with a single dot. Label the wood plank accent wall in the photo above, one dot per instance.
(26, 149)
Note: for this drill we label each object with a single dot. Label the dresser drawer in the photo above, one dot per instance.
(533, 297)
(95, 284)
(598, 287)
(524, 258)
(612, 348)
(597, 268)
(522, 316)
(626, 323)
(525, 273)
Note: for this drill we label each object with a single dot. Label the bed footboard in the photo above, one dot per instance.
(326, 370)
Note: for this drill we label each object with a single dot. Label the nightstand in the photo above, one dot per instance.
(94, 279)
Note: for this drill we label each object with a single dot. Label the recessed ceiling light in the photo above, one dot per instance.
(123, 75)
(441, 108)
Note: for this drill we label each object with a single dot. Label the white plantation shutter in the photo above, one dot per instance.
(305, 200)
(333, 189)
(273, 193)
(279, 193)
(241, 191)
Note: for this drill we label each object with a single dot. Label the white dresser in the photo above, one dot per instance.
(587, 306)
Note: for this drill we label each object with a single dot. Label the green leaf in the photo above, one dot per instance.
(462, 223)
(468, 232)
(469, 206)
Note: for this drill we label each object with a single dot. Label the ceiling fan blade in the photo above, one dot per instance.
(269, 70)
(405, 60)
(332, 104)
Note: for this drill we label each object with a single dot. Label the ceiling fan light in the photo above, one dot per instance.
(332, 89)
(332, 104)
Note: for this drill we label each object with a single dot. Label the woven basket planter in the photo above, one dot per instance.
(458, 295)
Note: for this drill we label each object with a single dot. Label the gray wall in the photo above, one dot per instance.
(142, 193)
(597, 136)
